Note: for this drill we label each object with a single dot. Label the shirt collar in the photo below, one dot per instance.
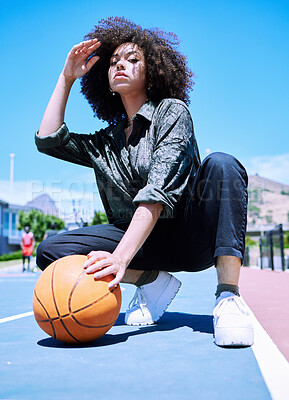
(147, 110)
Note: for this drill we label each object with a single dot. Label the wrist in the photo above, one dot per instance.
(122, 258)
(66, 80)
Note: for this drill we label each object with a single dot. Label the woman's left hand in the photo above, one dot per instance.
(103, 263)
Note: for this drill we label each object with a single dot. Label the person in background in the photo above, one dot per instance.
(27, 246)
(50, 232)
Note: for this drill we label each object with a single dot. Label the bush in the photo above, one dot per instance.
(16, 255)
(99, 218)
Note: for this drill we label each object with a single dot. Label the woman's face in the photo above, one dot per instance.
(126, 73)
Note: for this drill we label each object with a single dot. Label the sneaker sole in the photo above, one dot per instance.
(237, 337)
(172, 282)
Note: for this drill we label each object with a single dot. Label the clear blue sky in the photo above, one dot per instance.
(239, 51)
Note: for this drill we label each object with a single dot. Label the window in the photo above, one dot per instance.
(6, 223)
(10, 222)
(13, 224)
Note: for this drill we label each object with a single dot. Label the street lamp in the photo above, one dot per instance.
(12, 156)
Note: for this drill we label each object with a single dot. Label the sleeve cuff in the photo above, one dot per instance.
(151, 194)
(55, 139)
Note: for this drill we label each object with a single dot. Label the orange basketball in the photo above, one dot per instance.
(71, 305)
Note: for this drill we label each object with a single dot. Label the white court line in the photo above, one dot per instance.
(13, 317)
(273, 365)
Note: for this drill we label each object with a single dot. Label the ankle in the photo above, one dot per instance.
(131, 276)
(147, 277)
(225, 287)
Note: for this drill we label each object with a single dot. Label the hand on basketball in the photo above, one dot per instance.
(103, 263)
(76, 64)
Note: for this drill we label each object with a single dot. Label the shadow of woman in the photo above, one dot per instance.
(169, 322)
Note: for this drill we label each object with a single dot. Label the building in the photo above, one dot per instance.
(3, 206)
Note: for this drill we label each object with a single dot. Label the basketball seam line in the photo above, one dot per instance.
(91, 304)
(89, 326)
(79, 323)
(49, 320)
(71, 313)
(56, 308)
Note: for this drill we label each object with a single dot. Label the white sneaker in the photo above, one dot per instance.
(232, 322)
(151, 301)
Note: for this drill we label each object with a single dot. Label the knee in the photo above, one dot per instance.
(42, 260)
(219, 159)
(226, 164)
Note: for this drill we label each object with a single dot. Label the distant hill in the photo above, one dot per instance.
(44, 203)
(268, 201)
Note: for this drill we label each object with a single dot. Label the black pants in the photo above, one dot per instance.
(212, 223)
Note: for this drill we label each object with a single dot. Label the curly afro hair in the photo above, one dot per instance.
(167, 74)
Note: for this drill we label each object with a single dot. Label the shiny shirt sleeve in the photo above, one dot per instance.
(173, 158)
(68, 146)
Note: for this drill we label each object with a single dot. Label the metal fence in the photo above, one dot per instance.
(272, 249)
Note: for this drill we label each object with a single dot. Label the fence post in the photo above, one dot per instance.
(261, 252)
(281, 238)
(246, 260)
(271, 250)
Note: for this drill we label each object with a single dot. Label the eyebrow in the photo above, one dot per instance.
(127, 54)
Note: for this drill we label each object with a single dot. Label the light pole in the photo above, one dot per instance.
(12, 156)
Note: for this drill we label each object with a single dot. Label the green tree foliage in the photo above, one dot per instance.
(99, 218)
(255, 195)
(254, 209)
(286, 239)
(250, 242)
(39, 223)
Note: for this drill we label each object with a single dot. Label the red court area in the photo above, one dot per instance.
(267, 294)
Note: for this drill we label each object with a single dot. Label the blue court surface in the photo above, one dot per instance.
(174, 359)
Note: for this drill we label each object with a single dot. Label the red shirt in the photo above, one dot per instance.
(27, 243)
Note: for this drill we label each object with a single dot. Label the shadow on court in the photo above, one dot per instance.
(169, 322)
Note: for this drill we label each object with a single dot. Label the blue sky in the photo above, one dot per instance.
(238, 50)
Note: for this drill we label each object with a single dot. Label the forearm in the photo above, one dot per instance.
(103, 263)
(142, 223)
(54, 114)
(76, 65)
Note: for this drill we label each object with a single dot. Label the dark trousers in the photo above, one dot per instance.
(212, 223)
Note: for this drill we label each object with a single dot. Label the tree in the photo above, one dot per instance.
(250, 242)
(286, 239)
(38, 222)
(99, 218)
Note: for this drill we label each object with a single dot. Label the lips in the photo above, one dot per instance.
(120, 74)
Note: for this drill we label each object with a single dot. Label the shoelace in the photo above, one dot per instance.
(138, 300)
(227, 300)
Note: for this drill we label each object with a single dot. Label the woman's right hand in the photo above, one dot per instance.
(76, 64)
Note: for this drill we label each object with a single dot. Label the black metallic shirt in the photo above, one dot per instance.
(155, 165)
